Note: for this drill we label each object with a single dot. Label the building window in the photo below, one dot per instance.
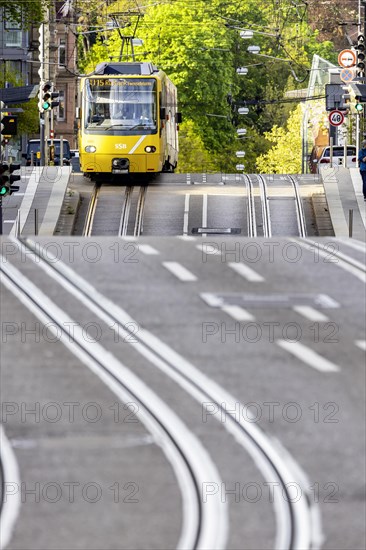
(13, 34)
(62, 53)
(61, 114)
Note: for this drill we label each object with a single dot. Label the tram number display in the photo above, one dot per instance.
(336, 118)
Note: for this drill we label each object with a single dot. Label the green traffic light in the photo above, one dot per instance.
(3, 190)
(359, 107)
(45, 105)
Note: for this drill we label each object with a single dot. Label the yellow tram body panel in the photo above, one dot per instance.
(128, 147)
(128, 120)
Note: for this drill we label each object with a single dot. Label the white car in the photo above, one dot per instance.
(321, 156)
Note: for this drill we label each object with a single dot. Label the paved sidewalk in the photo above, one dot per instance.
(343, 189)
(44, 197)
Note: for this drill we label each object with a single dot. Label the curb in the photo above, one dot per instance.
(70, 207)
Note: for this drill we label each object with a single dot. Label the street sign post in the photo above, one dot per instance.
(336, 118)
(347, 58)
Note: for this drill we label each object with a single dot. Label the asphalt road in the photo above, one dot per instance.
(274, 329)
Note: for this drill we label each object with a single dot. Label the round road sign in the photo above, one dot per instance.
(347, 58)
(347, 75)
(336, 118)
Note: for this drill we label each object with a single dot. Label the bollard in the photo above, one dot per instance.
(36, 221)
(350, 225)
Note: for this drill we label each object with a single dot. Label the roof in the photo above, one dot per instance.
(19, 94)
(125, 68)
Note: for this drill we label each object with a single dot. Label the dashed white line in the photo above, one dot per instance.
(361, 344)
(247, 272)
(238, 313)
(311, 313)
(211, 249)
(148, 249)
(180, 271)
(308, 356)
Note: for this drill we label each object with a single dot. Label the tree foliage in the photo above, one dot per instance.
(24, 12)
(198, 45)
(284, 157)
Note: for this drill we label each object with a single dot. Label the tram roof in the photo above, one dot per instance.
(106, 68)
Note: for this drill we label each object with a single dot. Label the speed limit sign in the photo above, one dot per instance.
(336, 118)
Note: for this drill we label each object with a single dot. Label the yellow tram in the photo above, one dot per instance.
(128, 120)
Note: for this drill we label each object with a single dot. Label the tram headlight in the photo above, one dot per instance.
(150, 149)
(90, 148)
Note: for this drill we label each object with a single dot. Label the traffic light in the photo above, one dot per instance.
(54, 95)
(358, 106)
(9, 125)
(360, 48)
(7, 178)
(45, 96)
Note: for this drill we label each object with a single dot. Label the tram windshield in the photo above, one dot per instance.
(120, 106)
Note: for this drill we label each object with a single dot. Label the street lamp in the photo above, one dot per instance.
(246, 34)
(240, 167)
(243, 110)
(241, 131)
(242, 70)
(253, 49)
(240, 154)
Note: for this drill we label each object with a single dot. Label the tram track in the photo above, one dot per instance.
(297, 522)
(252, 222)
(300, 215)
(88, 225)
(203, 526)
(267, 228)
(130, 221)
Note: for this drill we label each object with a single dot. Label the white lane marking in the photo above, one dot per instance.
(211, 249)
(186, 214)
(238, 313)
(204, 212)
(185, 237)
(308, 356)
(211, 299)
(342, 260)
(137, 144)
(9, 221)
(180, 271)
(247, 272)
(278, 466)
(11, 488)
(148, 249)
(311, 313)
(361, 344)
(214, 530)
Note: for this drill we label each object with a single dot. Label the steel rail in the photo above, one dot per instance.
(184, 451)
(297, 522)
(300, 215)
(140, 211)
(267, 230)
(123, 225)
(89, 219)
(252, 222)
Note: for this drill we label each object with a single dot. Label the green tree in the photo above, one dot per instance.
(28, 121)
(284, 157)
(24, 12)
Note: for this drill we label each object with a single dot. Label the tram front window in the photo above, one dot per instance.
(120, 106)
